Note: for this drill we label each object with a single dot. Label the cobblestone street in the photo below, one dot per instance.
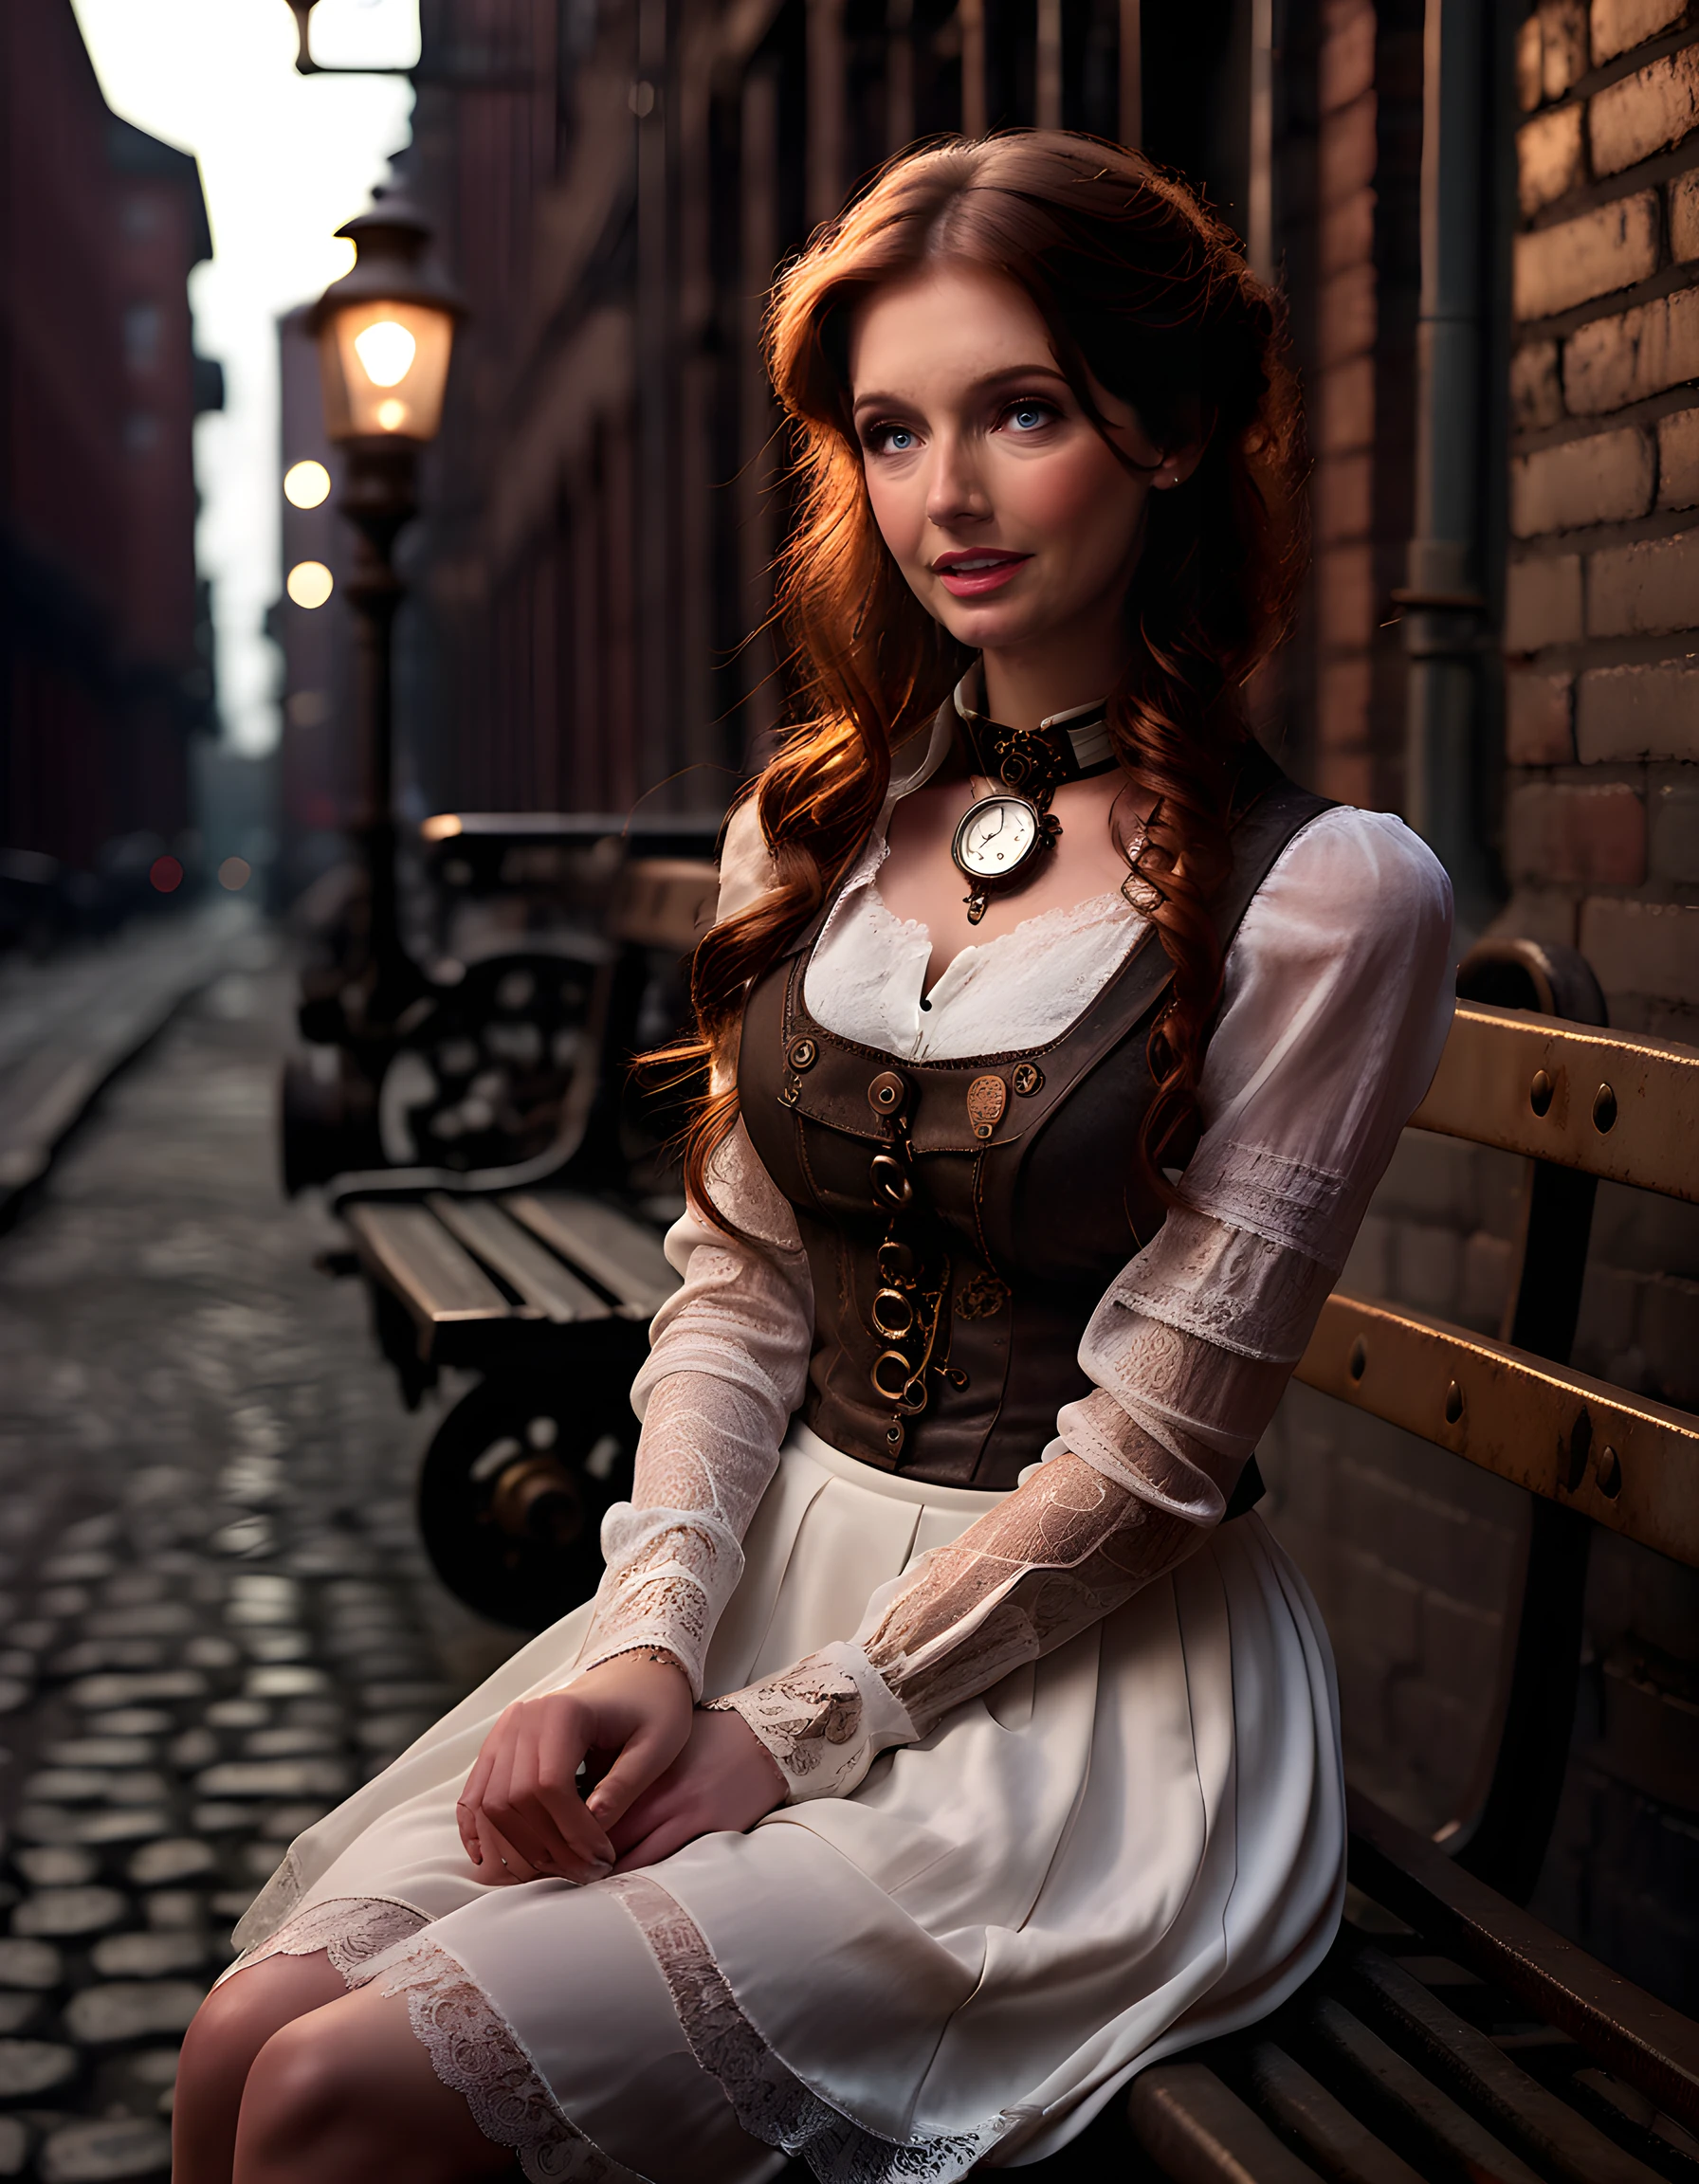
(217, 1619)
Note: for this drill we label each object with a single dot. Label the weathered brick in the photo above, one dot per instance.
(1563, 832)
(1619, 24)
(1345, 235)
(1610, 248)
(1606, 478)
(1486, 1281)
(1646, 113)
(1346, 64)
(1631, 354)
(1345, 314)
(1674, 835)
(1529, 62)
(1649, 948)
(1678, 459)
(1542, 603)
(1342, 490)
(1537, 914)
(1548, 158)
(1645, 589)
(1345, 594)
(1684, 217)
(1345, 407)
(1348, 149)
(1460, 1645)
(1649, 711)
(1536, 389)
(1610, 1313)
(1427, 1265)
(1537, 709)
(1563, 45)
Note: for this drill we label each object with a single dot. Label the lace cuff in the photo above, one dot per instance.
(823, 1721)
(1062, 1550)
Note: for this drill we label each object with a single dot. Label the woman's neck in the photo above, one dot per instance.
(1021, 691)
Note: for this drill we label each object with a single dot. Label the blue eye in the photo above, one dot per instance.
(1029, 416)
(898, 439)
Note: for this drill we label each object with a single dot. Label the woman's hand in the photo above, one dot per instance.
(521, 1816)
(723, 1781)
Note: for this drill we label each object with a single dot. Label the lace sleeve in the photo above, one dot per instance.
(725, 1369)
(1066, 1548)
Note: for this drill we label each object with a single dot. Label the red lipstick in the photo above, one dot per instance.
(974, 570)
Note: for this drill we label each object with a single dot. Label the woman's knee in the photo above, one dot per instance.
(236, 2020)
(304, 2098)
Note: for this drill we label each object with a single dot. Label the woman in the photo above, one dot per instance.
(1021, 1765)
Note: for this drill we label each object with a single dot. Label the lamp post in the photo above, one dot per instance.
(385, 332)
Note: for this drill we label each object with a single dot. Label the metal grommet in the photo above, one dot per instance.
(1604, 1109)
(890, 1375)
(891, 1315)
(1540, 1092)
(1028, 1077)
(802, 1054)
(888, 1093)
(895, 1434)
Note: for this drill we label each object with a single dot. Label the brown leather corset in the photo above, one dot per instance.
(963, 1218)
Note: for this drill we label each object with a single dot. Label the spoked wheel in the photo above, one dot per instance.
(513, 1491)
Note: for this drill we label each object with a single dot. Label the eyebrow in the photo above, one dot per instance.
(999, 377)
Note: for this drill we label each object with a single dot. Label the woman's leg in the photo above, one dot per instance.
(346, 2095)
(230, 2028)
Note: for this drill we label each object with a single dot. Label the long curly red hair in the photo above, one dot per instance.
(1147, 293)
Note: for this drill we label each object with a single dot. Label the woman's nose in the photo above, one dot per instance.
(955, 492)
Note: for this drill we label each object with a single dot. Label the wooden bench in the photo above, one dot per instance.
(1451, 2035)
(541, 1276)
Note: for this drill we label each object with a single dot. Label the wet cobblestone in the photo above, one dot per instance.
(215, 1617)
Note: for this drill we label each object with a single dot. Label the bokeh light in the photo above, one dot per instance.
(310, 584)
(306, 485)
(166, 875)
(236, 872)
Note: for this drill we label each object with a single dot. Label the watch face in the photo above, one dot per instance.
(996, 837)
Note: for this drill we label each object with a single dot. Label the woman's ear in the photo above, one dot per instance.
(1178, 464)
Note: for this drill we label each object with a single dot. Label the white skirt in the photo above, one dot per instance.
(1132, 1846)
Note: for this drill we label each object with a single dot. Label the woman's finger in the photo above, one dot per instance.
(649, 1753)
(503, 1863)
(663, 1839)
(471, 1796)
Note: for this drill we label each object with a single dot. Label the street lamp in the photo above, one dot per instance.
(385, 333)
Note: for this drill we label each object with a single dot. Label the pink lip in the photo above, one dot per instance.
(972, 583)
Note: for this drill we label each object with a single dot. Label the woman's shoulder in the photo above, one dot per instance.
(746, 867)
(1365, 868)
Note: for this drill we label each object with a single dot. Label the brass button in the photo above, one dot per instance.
(1028, 1079)
(986, 1099)
(888, 1093)
(802, 1054)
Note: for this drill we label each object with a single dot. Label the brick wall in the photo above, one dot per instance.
(1411, 1552)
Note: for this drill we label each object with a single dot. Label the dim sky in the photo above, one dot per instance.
(284, 159)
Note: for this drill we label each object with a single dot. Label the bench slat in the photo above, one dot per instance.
(539, 1277)
(1482, 1091)
(1304, 2108)
(1538, 1425)
(1200, 2132)
(1647, 2042)
(1524, 2112)
(615, 1250)
(408, 1251)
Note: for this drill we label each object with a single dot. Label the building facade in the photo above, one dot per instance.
(105, 646)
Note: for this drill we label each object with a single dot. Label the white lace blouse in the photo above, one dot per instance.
(1337, 999)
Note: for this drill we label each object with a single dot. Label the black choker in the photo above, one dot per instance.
(1001, 839)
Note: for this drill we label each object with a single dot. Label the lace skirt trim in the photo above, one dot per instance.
(351, 1930)
(477, 2054)
(770, 2103)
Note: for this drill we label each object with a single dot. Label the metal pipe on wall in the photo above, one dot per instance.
(1132, 73)
(1443, 602)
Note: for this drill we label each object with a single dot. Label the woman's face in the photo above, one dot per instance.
(1011, 519)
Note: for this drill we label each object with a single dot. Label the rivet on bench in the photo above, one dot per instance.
(1454, 1402)
(1604, 1109)
(1610, 1474)
(1540, 1092)
(1359, 1362)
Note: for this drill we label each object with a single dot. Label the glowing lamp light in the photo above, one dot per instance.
(386, 331)
(234, 873)
(306, 485)
(166, 875)
(309, 584)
